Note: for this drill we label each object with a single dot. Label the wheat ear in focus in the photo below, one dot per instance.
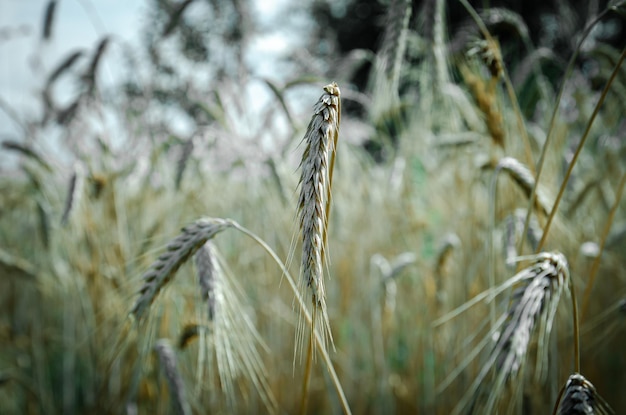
(314, 203)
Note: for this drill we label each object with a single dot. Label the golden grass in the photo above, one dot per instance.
(420, 323)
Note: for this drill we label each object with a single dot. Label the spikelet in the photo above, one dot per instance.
(226, 334)
(524, 178)
(167, 358)
(27, 151)
(485, 95)
(206, 270)
(533, 304)
(314, 200)
(65, 65)
(450, 242)
(181, 164)
(489, 53)
(48, 20)
(74, 193)
(580, 398)
(90, 76)
(177, 253)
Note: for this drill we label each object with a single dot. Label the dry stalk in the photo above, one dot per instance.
(177, 253)
(167, 358)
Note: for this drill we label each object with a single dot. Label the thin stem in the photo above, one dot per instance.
(318, 340)
(596, 110)
(518, 117)
(307, 369)
(544, 150)
(576, 328)
(607, 227)
(490, 248)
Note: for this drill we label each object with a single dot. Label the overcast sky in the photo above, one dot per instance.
(79, 24)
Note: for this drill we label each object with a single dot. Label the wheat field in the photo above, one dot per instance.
(448, 240)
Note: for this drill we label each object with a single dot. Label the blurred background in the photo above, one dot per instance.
(123, 121)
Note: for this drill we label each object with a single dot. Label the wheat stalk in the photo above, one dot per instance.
(313, 212)
(177, 253)
(167, 358)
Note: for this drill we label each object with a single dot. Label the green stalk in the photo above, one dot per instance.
(542, 157)
(596, 110)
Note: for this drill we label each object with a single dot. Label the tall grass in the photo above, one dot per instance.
(448, 287)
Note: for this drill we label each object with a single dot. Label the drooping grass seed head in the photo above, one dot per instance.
(580, 398)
